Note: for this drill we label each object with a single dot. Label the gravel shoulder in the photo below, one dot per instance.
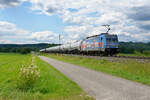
(100, 85)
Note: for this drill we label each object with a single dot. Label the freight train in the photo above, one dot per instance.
(102, 44)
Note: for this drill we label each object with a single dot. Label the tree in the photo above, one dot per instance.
(25, 50)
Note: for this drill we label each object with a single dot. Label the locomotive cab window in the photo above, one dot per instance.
(108, 39)
(111, 39)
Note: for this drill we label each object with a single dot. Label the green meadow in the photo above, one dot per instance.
(128, 69)
(51, 85)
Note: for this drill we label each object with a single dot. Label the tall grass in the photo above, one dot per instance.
(28, 76)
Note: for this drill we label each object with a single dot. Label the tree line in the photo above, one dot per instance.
(23, 48)
(134, 47)
(125, 47)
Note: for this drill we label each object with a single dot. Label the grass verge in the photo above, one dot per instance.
(131, 70)
(134, 55)
(52, 85)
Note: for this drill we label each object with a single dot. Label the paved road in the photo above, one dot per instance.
(100, 85)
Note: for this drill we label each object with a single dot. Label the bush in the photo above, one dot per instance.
(137, 53)
(28, 76)
(146, 53)
(25, 50)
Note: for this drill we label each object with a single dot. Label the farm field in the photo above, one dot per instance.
(128, 69)
(51, 85)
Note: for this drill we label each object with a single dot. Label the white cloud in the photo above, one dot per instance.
(10, 29)
(10, 3)
(128, 18)
(44, 36)
(89, 15)
(5, 42)
(10, 33)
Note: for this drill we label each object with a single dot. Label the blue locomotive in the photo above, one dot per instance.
(102, 44)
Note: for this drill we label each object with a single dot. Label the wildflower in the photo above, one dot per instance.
(29, 74)
(32, 72)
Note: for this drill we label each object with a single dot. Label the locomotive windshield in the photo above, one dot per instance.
(112, 38)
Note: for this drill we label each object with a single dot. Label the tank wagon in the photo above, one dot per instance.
(102, 44)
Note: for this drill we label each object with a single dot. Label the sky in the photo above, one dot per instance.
(41, 21)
